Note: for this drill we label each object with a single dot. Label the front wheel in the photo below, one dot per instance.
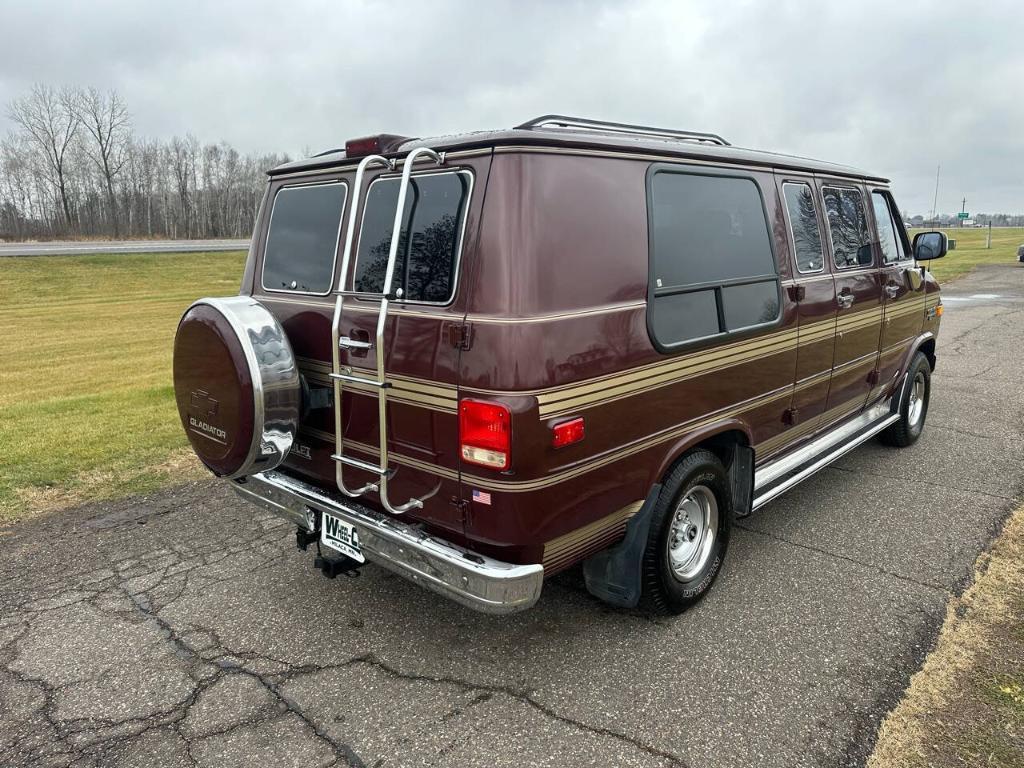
(913, 407)
(689, 534)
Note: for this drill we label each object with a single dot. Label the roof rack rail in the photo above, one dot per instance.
(564, 121)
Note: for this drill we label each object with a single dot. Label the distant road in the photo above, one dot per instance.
(65, 248)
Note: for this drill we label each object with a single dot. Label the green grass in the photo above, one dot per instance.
(86, 402)
(971, 251)
(86, 405)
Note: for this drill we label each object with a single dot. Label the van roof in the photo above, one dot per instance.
(611, 138)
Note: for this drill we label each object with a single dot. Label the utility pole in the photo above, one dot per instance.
(935, 201)
(963, 209)
(988, 243)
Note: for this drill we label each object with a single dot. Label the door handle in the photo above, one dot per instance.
(348, 343)
(357, 342)
(845, 300)
(892, 290)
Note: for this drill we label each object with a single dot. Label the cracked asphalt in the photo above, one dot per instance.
(185, 629)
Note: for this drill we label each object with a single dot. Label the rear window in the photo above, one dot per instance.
(302, 242)
(430, 240)
(711, 258)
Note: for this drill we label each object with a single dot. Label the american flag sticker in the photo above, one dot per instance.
(481, 497)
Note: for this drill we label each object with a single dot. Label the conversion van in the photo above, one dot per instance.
(482, 359)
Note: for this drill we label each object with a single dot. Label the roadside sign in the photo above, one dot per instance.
(963, 215)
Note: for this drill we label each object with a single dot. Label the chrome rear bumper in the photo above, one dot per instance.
(478, 582)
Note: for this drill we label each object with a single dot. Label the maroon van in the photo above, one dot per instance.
(481, 359)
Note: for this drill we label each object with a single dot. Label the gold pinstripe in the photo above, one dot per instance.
(562, 550)
(519, 486)
(556, 400)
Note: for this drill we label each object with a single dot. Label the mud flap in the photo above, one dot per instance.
(741, 480)
(613, 575)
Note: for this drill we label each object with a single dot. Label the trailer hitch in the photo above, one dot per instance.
(331, 567)
(328, 566)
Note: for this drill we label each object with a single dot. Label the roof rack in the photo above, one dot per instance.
(581, 123)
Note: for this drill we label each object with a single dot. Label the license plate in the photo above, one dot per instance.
(341, 537)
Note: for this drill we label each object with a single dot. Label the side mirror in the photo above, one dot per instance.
(930, 245)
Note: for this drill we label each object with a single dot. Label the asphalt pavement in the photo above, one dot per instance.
(185, 629)
(72, 248)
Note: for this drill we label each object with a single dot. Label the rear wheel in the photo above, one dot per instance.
(913, 407)
(689, 534)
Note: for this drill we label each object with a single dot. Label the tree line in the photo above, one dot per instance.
(73, 166)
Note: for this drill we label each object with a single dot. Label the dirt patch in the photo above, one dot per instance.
(966, 705)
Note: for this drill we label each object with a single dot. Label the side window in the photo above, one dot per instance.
(711, 257)
(803, 226)
(302, 242)
(430, 240)
(892, 247)
(848, 225)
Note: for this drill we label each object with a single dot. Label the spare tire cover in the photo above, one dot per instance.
(236, 385)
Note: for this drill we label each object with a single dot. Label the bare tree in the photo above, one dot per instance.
(106, 121)
(49, 120)
(73, 165)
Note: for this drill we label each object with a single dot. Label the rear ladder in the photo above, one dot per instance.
(340, 374)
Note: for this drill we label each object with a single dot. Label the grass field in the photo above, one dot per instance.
(970, 250)
(86, 402)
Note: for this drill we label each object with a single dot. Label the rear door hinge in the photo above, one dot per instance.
(873, 377)
(460, 335)
(797, 292)
(790, 416)
(462, 509)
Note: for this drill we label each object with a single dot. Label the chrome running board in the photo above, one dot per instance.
(779, 476)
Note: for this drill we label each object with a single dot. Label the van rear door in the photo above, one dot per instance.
(423, 334)
(297, 243)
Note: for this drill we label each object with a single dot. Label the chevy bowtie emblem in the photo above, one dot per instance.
(201, 400)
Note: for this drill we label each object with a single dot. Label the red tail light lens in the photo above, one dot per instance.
(485, 434)
(364, 146)
(567, 433)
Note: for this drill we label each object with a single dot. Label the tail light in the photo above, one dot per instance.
(366, 145)
(369, 145)
(567, 433)
(485, 434)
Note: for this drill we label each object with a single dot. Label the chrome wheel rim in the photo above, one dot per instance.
(915, 407)
(692, 533)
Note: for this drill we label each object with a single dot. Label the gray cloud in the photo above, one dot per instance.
(896, 88)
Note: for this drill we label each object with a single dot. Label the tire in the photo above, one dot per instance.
(680, 561)
(913, 408)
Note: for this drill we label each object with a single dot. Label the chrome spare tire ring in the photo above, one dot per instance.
(692, 532)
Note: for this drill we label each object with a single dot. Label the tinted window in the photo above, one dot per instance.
(803, 225)
(303, 238)
(851, 244)
(712, 263)
(892, 250)
(435, 207)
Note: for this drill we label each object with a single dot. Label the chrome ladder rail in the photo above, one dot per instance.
(341, 373)
(336, 343)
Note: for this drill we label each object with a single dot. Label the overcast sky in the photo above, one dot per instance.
(895, 87)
